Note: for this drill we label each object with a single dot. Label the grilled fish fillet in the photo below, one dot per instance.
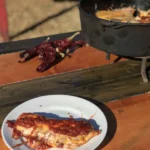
(43, 133)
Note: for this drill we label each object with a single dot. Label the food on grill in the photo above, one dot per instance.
(126, 14)
(43, 133)
(50, 52)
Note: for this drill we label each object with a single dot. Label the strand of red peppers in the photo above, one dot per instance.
(48, 52)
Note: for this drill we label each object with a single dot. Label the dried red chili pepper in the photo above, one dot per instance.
(29, 54)
(48, 52)
(47, 56)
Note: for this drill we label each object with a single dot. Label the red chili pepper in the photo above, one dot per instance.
(49, 51)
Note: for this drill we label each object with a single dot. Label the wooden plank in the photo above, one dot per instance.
(12, 71)
(105, 83)
(128, 120)
(16, 46)
(133, 124)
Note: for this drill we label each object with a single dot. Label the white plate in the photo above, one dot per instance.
(58, 106)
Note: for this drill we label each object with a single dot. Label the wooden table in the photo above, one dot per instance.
(116, 88)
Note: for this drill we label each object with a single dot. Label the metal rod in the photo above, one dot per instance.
(143, 70)
(107, 56)
(117, 59)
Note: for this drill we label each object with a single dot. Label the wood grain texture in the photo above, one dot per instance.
(10, 47)
(104, 83)
(99, 82)
(11, 71)
(133, 124)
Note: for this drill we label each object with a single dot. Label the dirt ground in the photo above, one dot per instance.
(24, 14)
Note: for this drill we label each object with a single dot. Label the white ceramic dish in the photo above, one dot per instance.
(56, 106)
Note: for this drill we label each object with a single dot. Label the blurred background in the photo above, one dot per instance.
(34, 18)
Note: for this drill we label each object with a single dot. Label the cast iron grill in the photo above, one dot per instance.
(114, 37)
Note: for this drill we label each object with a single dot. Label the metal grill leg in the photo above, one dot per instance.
(143, 70)
(107, 56)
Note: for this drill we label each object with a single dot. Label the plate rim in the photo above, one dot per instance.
(51, 95)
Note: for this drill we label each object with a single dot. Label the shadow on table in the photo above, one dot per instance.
(111, 119)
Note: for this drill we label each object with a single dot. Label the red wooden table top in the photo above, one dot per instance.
(12, 71)
(132, 114)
